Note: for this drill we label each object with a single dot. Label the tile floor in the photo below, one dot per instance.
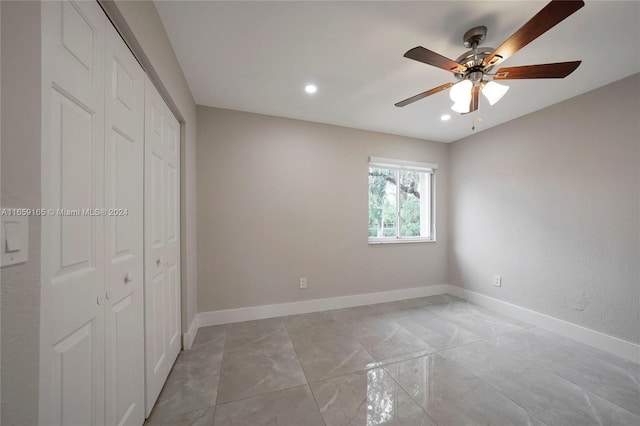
(429, 361)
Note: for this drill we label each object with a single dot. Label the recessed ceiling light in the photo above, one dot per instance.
(310, 89)
(445, 117)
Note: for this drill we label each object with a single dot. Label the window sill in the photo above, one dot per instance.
(376, 241)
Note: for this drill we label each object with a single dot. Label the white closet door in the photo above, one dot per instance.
(72, 313)
(124, 188)
(162, 248)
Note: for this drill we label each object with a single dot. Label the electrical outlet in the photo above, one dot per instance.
(497, 280)
(303, 282)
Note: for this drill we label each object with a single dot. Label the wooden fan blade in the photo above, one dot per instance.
(551, 15)
(424, 95)
(557, 70)
(475, 99)
(426, 56)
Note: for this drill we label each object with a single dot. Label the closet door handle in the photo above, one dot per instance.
(128, 278)
(158, 262)
(99, 300)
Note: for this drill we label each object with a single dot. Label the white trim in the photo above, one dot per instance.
(614, 345)
(270, 311)
(392, 163)
(399, 240)
(190, 335)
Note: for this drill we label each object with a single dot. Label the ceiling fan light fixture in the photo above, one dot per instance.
(461, 92)
(494, 91)
(461, 107)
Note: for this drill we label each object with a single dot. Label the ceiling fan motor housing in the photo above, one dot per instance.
(475, 36)
(473, 59)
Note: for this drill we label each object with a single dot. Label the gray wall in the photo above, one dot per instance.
(279, 199)
(550, 201)
(20, 124)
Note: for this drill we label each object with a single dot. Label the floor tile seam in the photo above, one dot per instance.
(443, 318)
(440, 351)
(197, 380)
(196, 347)
(385, 367)
(204, 355)
(386, 362)
(575, 346)
(269, 347)
(506, 333)
(178, 412)
(223, 404)
(378, 364)
(482, 339)
(517, 358)
(358, 371)
(303, 336)
(306, 378)
(213, 421)
(164, 385)
(494, 388)
(462, 326)
(412, 333)
(224, 351)
(260, 353)
(533, 360)
(259, 341)
(399, 325)
(436, 350)
(207, 361)
(151, 420)
(349, 333)
(397, 382)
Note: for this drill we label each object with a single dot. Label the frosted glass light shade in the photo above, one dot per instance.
(461, 92)
(493, 91)
(461, 107)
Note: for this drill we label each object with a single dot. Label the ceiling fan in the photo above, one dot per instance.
(473, 66)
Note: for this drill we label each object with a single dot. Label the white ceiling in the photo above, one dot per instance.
(258, 56)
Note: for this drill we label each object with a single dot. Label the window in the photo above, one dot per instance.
(401, 201)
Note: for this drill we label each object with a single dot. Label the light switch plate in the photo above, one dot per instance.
(14, 239)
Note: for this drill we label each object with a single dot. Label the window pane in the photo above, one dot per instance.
(412, 197)
(382, 203)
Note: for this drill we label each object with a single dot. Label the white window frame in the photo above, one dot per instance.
(430, 189)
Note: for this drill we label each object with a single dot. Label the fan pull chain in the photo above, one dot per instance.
(473, 126)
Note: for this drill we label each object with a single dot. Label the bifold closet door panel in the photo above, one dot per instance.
(72, 387)
(162, 249)
(124, 237)
(110, 312)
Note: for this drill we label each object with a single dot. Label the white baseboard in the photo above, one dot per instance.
(190, 335)
(614, 345)
(315, 305)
